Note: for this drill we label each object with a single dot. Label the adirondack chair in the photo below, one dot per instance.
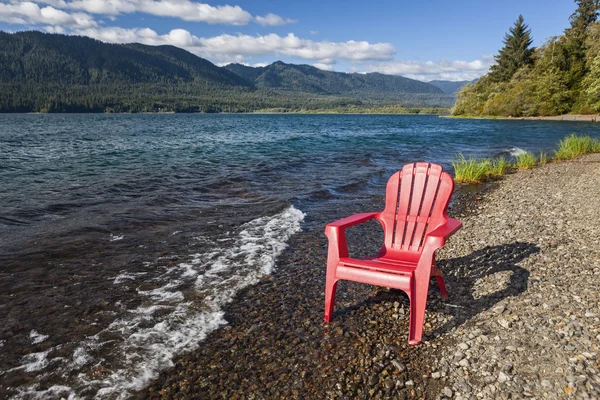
(415, 225)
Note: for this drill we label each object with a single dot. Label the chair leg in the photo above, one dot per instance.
(417, 318)
(440, 280)
(418, 304)
(330, 287)
(442, 286)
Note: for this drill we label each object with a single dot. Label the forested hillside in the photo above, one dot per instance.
(42, 72)
(562, 76)
(308, 79)
(57, 73)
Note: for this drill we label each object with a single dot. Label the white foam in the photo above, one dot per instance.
(164, 293)
(150, 340)
(81, 356)
(126, 276)
(37, 337)
(33, 362)
(516, 151)
(114, 238)
(1, 343)
(188, 270)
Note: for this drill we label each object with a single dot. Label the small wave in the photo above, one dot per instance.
(516, 151)
(114, 238)
(37, 337)
(33, 362)
(126, 276)
(171, 320)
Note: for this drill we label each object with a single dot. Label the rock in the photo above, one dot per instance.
(502, 377)
(446, 391)
(507, 368)
(546, 383)
(436, 375)
(389, 384)
(499, 309)
(399, 366)
(504, 323)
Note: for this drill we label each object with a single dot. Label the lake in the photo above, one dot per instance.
(122, 236)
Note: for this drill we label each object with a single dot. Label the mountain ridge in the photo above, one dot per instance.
(43, 72)
(450, 87)
(306, 78)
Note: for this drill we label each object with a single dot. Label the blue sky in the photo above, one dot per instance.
(425, 40)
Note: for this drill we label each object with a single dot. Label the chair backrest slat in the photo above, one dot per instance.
(416, 202)
(429, 197)
(404, 194)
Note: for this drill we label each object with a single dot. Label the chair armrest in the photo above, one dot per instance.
(336, 233)
(351, 220)
(438, 236)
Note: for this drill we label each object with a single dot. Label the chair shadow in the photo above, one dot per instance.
(462, 275)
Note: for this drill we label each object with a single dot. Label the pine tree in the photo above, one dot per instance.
(515, 54)
(586, 14)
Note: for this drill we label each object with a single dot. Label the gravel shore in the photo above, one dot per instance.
(522, 319)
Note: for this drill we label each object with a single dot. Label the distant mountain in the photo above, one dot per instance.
(48, 58)
(41, 72)
(308, 79)
(450, 87)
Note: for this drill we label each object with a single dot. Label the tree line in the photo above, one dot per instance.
(561, 76)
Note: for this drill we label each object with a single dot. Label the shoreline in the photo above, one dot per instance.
(410, 111)
(565, 117)
(276, 344)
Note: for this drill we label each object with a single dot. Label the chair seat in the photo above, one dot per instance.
(383, 264)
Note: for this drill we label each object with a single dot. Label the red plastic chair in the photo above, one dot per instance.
(415, 225)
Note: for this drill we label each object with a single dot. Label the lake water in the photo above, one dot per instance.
(121, 236)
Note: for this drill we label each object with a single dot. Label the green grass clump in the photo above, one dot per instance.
(574, 146)
(543, 159)
(472, 170)
(499, 167)
(526, 160)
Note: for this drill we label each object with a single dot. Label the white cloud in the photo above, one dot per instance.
(273, 20)
(260, 64)
(236, 48)
(426, 71)
(186, 10)
(28, 13)
(325, 67)
(292, 45)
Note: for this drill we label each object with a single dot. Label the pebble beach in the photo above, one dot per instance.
(522, 320)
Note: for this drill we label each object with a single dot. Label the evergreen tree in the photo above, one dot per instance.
(515, 54)
(586, 14)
